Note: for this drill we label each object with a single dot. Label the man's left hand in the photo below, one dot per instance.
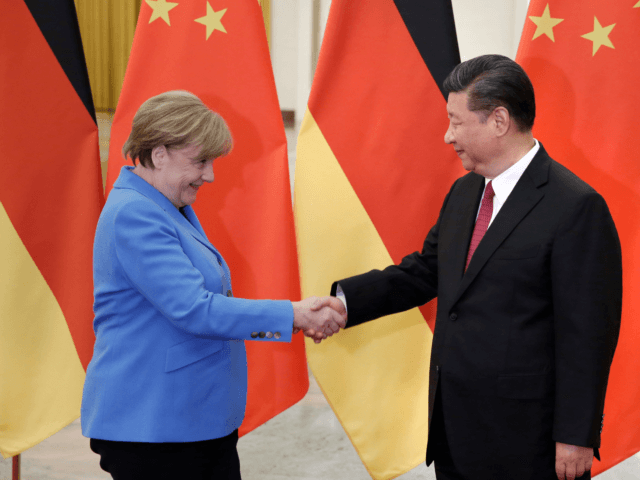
(572, 461)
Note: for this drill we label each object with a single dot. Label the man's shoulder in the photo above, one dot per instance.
(567, 182)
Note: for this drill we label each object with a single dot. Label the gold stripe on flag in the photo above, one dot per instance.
(374, 392)
(42, 377)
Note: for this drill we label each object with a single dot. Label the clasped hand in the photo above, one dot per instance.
(319, 317)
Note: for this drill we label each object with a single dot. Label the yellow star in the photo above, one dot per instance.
(161, 10)
(545, 24)
(600, 35)
(212, 20)
(637, 5)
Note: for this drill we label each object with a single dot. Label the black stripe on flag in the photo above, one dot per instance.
(58, 23)
(431, 25)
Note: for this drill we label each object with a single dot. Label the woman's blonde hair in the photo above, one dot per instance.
(176, 119)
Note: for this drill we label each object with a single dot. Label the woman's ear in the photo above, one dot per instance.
(159, 156)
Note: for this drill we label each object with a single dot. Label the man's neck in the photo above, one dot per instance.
(513, 150)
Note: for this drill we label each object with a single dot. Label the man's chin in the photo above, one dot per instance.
(468, 166)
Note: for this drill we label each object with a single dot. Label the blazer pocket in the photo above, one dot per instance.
(515, 253)
(191, 351)
(525, 387)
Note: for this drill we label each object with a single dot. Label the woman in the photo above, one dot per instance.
(165, 390)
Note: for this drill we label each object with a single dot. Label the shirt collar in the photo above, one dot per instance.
(504, 183)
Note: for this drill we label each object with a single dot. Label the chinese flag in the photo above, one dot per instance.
(50, 199)
(583, 58)
(218, 50)
(372, 171)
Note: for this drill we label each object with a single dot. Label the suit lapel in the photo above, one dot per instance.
(525, 195)
(468, 206)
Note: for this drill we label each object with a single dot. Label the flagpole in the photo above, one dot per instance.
(16, 468)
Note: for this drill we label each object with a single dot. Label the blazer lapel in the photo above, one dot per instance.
(202, 238)
(195, 228)
(525, 195)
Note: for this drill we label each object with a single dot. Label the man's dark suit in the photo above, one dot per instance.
(524, 339)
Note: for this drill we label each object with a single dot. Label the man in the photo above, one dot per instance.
(525, 262)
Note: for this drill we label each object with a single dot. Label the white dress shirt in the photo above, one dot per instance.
(503, 184)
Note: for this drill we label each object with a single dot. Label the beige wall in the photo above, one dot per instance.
(483, 26)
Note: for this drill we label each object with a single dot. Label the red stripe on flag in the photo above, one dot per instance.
(51, 183)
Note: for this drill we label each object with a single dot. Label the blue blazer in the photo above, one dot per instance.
(169, 363)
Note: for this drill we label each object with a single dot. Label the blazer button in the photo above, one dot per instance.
(276, 335)
(262, 334)
(269, 334)
(254, 334)
(453, 316)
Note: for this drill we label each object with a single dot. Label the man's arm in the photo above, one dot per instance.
(397, 288)
(586, 275)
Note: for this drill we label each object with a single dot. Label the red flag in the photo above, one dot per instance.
(584, 62)
(218, 51)
(50, 199)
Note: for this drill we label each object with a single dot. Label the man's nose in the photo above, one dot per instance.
(448, 136)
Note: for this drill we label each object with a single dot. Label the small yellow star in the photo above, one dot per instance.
(545, 24)
(212, 20)
(637, 5)
(161, 10)
(600, 35)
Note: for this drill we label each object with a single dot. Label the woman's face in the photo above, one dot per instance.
(180, 172)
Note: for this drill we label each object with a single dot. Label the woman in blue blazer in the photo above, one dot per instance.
(166, 388)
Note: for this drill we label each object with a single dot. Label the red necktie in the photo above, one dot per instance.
(482, 222)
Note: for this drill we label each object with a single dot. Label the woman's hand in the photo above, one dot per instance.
(319, 318)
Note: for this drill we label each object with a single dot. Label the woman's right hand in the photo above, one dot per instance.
(319, 317)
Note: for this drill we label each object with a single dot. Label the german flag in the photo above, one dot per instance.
(218, 51)
(50, 199)
(372, 171)
(583, 58)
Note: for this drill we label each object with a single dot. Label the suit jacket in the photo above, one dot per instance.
(169, 362)
(524, 338)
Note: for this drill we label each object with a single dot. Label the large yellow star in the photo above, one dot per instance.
(545, 24)
(637, 5)
(600, 35)
(212, 20)
(161, 10)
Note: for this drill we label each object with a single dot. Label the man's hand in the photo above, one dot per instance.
(319, 318)
(572, 461)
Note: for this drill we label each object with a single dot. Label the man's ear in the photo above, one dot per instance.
(159, 156)
(502, 120)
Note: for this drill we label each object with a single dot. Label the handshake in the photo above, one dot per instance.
(319, 317)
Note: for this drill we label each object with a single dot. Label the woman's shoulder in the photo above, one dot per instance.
(125, 199)
(131, 208)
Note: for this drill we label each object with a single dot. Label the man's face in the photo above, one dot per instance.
(473, 140)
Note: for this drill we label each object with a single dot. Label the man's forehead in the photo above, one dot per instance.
(456, 102)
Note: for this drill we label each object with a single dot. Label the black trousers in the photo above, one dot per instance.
(207, 460)
(444, 466)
